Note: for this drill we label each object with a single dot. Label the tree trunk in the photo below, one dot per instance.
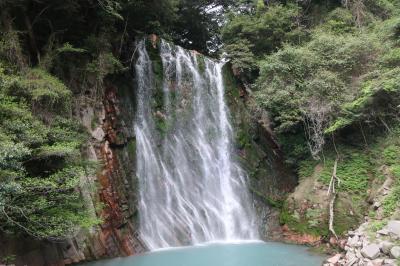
(31, 35)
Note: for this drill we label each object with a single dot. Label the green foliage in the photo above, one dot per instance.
(310, 223)
(40, 159)
(41, 90)
(241, 35)
(392, 201)
(273, 24)
(316, 73)
(353, 171)
(391, 155)
(306, 168)
(339, 21)
(103, 65)
(294, 146)
(241, 56)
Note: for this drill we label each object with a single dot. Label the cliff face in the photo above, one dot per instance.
(111, 195)
(260, 155)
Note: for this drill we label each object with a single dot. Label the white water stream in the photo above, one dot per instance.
(191, 190)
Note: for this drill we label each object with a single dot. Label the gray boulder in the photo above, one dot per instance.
(394, 228)
(386, 246)
(395, 252)
(371, 251)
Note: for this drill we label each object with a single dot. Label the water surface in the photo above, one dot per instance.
(248, 254)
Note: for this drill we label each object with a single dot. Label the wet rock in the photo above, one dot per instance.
(371, 251)
(395, 252)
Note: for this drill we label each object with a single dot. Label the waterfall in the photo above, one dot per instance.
(191, 191)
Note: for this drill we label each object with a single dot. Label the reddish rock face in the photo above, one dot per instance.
(303, 239)
(117, 230)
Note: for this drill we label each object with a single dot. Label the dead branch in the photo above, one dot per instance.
(332, 193)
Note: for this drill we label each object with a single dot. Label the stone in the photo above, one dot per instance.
(335, 259)
(384, 232)
(353, 241)
(377, 205)
(365, 242)
(350, 254)
(385, 246)
(390, 262)
(98, 134)
(333, 241)
(351, 262)
(377, 262)
(394, 228)
(351, 233)
(358, 254)
(371, 251)
(395, 252)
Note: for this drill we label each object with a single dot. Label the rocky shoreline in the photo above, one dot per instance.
(366, 247)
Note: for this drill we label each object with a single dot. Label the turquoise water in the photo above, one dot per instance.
(248, 254)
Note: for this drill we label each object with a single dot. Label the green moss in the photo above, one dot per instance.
(349, 211)
(162, 126)
(132, 147)
(267, 200)
(243, 139)
(310, 223)
(231, 85)
(201, 63)
(157, 66)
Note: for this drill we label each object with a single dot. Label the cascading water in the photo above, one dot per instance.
(191, 190)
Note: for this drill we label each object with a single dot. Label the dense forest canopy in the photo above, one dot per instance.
(318, 67)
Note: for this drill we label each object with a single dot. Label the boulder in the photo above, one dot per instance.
(394, 228)
(353, 241)
(351, 262)
(386, 246)
(395, 252)
(371, 251)
(98, 134)
(377, 262)
(384, 232)
(389, 262)
(350, 255)
(335, 259)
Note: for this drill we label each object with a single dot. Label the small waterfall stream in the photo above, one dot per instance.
(191, 189)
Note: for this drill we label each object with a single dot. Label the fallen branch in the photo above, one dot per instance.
(332, 193)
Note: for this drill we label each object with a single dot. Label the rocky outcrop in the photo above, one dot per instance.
(260, 155)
